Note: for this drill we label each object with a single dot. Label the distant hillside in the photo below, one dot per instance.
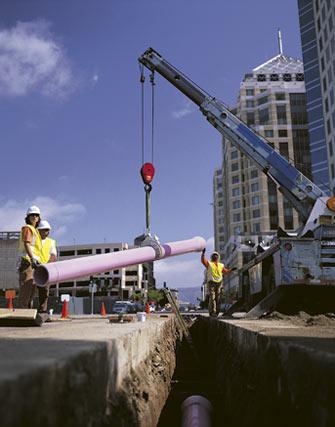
(190, 294)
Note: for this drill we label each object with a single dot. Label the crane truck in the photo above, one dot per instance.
(296, 272)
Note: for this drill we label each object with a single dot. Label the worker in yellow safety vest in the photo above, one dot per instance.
(48, 253)
(214, 272)
(29, 256)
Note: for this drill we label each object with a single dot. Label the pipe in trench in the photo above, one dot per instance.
(61, 271)
(196, 412)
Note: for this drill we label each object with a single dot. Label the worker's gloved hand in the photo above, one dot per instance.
(233, 269)
(203, 251)
(35, 263)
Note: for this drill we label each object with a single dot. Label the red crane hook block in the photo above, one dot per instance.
(147, 172)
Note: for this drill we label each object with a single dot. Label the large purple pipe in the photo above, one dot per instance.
(61, 271)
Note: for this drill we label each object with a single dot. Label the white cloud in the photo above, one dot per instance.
(95, 79)
(32, 60)
(189, 108)
(60, 231)
(12, 213)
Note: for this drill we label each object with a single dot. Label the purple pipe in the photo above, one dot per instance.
(61, 271)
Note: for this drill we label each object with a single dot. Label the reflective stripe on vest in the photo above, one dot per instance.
(36, 244)
(47, 244)
(214, 272)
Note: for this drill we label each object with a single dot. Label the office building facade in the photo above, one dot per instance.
(272, 101)
(317, 28)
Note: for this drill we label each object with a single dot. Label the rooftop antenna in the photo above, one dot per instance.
(280, 42)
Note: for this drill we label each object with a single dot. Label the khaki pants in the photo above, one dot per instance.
(27, 285)
(214, 290)
(43, 294)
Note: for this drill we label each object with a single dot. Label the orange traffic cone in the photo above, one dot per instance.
(147, 308)
(103, 309)
(10, 303)
(65, 310)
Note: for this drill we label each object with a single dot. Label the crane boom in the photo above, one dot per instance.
(295, 186)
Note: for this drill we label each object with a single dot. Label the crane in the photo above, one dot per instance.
(307, 259)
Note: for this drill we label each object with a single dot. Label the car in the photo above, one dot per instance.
(123, 307)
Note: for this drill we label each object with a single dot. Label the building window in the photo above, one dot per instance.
(235, 179)
(322, 64)
(66, 253)
(254, 187)
(84, 252)
(282, 133)
(256, 213)
(236, 204)
(262, 100)
(237, 230)
(261, 77)
(332, 170)
(250, 92)
(234, 167)
(107, 250)
(250, 103)
(329, 129)
(116, 250)
(268, 133)
(256, 228)
(254, 174)
(283, 149)
(115, 271)
(324, 84)
(274, 77)
(255, 200)
(237, 217)
(263, 116)
(330, 145)
(250, 119)
(280, 96)
(281, 114)
(98, 251)
(235, 192)
(234, 155)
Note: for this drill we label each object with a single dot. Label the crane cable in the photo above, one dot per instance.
(142, 80)
(152, 81)
(153, 84)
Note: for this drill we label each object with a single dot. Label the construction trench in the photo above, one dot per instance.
(91, 372)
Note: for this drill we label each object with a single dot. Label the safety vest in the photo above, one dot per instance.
(36, 244)
(214, 272)
(47, 245)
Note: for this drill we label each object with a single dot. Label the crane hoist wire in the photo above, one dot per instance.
(153, 84)
(147, 169)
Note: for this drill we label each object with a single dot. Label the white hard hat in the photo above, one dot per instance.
(44, 225)
(33, 210)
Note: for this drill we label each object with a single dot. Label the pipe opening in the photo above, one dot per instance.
(41, 276)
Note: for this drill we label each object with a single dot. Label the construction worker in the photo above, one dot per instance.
(29, 250)
(214, 270)
(48, 254)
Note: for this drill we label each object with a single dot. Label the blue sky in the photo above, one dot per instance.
(70, 112)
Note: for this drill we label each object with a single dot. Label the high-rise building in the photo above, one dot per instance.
(317, 28)
(219, 235)
(272, 101)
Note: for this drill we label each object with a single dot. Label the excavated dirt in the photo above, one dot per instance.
(303, 319)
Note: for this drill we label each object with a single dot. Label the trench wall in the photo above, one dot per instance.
(269, 376)
(88, 373)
